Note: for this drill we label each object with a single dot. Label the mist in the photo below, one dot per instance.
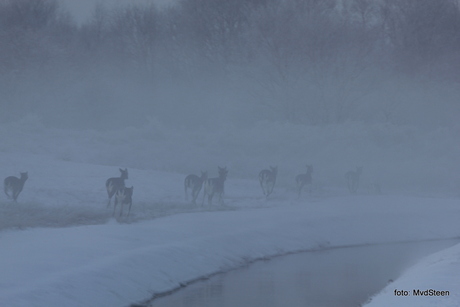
(246, 84)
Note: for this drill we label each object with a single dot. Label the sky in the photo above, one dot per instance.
(82, 9)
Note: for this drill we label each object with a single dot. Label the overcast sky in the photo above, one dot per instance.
(82, 9)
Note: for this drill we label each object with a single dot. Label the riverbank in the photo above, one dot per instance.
(119, 263)
(433, 281)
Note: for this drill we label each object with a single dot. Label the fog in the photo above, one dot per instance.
(82, 10)
(245, 83)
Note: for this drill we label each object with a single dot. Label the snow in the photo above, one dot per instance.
(61, 246)
(438, 272)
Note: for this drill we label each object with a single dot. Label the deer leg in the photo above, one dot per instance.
(349, 186)
(5, 189)
(221, 199)
(110, 194)
(262, 186)
(300, 188)
(194, 196)
(118, 199)
(16, 194)
(204, 196)
(210, 199)
(270, 189)
(130, 204)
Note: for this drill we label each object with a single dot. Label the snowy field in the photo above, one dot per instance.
(61, 246)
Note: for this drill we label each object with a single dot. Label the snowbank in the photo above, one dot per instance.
(434, 281)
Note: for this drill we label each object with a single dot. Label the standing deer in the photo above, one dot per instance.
(304, 179)
(195, 183)
(267, 179)
(14, 185)
(116, 183)
(215, 186)
(352, 178)
(123, 196)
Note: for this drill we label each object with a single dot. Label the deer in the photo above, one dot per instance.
(194, 183)
(116, 183)
(14, 185)
(352, 178)
(267, 179)
(123, 196)
(303, 179)
(215, 186)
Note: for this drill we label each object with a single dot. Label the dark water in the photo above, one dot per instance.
(336, 277)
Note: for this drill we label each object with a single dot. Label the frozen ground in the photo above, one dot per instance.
(62, 247)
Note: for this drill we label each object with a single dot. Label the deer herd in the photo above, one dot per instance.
(115, 186)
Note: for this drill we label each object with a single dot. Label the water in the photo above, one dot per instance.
(336, 277)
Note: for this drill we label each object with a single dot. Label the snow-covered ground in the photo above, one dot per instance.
(62, 247)
(436, 277)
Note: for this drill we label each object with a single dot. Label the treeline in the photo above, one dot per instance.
(305, 61)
